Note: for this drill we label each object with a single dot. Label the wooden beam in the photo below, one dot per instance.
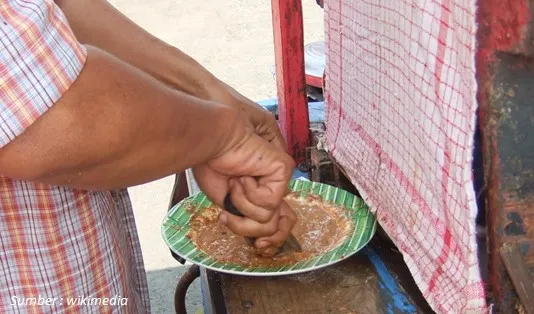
(519, 274)
(290, 78)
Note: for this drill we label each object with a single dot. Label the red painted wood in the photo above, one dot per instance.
(290, 79)
(505, 50)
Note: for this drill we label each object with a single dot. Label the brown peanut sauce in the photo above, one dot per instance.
(320, 227)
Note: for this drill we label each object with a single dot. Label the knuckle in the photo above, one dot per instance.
(265, 201)
(271, 229)
(287, 166)
(250, 193)
(289, 162)
(271, 203)
(264, 216)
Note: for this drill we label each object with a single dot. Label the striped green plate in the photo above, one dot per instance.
(175, 227)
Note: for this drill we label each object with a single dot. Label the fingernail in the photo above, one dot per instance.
(223, 219)
(263, 244)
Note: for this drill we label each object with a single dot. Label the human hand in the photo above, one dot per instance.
(263, 170)
(276, 230)
(262, 121)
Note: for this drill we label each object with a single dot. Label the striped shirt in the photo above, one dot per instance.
(58, 245)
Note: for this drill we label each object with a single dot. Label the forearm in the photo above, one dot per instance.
(116, 127)
(98, 23)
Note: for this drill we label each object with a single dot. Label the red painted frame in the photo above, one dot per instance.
(504, 61)
(290, 79)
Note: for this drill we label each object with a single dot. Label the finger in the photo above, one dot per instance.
(287, 221)
(269, 190)
(257, 213)
(279, 179)
(260, 195)
(212, 183)
(261, 159)
(247, 227)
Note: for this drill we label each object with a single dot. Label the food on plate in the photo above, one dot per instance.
(321, 226)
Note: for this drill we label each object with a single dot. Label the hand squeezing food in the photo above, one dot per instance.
(290, 245)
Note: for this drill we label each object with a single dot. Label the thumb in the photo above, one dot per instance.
(212, 183)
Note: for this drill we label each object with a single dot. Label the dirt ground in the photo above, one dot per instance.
(233, 39)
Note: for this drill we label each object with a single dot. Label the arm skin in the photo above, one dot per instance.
(98, 23)
(117, 127)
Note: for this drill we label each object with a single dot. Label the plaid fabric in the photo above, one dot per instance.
(57, 242)
(401, 107)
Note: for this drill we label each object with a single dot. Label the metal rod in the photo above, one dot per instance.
(186, 280)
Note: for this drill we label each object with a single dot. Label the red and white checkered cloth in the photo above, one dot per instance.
(401, 102)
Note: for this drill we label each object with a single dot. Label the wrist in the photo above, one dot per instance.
(207, 130)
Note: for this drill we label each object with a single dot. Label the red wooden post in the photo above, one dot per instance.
(290, 78)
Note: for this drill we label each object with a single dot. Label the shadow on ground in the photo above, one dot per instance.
(162, 284)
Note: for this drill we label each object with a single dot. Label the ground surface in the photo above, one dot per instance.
(233, 39)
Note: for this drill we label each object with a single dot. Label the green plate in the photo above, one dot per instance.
(175, 227)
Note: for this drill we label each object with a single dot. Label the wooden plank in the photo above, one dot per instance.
(350, 287)
(360, 284)
(521, 279)
(290, 78)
